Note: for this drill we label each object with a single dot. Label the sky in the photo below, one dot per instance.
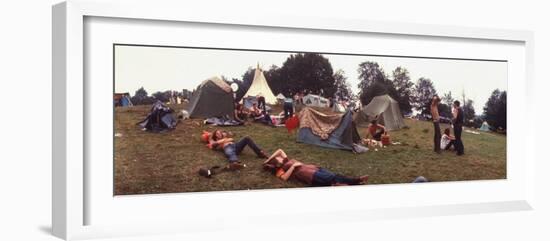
(166, 68)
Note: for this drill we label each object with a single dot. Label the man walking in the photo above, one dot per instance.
(458, 121)
(435, 117)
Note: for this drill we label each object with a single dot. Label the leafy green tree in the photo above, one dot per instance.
(403, 89)
(141, 97)
(162, 96)
(447, 99)
(469, 111)
(495, 109)
(273, 76)
(445, 110)
(374, 81)
(424, 91)
(307, 72)
(343, 88)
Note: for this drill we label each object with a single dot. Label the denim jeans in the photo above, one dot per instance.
(324, 177)
(234, 149)
(437, 136)
(459, 146)
(378, 135)
(288, 109)
(451, 143)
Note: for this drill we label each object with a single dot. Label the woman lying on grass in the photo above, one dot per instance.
(221, 140)
(283, 167)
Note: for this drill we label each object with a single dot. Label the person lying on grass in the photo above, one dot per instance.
(221, 140)
(447, 140)
(375, 130)
(284, 168)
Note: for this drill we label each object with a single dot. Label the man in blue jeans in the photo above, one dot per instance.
(221, 141)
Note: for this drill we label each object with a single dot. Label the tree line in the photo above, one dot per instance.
(313, 73)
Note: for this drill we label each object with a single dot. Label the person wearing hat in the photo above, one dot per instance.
(285, 168)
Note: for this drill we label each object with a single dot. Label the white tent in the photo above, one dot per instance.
(338, 107)
(280, 96)
(315, 100)
(260, 87)
(484, 126)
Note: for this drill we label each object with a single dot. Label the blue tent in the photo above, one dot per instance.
(343, 135)
(160, 119)
(125, 101)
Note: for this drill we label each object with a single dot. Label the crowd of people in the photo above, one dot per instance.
(285, 168)
(278, 163)
(447, 141)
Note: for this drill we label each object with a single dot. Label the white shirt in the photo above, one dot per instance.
(445, 140)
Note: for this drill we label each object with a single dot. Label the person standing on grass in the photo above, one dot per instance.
(285, 168)
(458, 121)
(221, 140)
(435, 118)
(288, 107)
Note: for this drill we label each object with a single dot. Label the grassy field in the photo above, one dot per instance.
(168, 162)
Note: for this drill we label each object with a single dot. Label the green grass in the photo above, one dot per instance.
(168, 162)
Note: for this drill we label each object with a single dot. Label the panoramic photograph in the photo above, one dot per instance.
(191, 119)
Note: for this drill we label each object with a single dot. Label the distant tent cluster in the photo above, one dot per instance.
(213, 97)
(315, 101)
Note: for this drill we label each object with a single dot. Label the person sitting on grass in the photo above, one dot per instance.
(241, 113)
(221, 140)
(284, 168)
(260, 116)
(447, 140)
(375, 130)
(255, 111)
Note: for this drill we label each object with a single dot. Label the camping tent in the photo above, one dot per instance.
(122, 99)
(338, 107)
(385, 109)
(332, 131)
(249, 101)
(212, 98)
(484, 126)
(280, 98)
(315, 101)
(159, 119)
(260, 87)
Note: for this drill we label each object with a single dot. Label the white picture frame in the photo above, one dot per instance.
(71, 189)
